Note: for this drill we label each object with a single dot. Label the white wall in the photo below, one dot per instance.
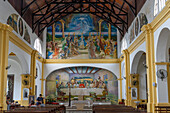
(141, 70)
(124, 80)
(161, 41)
(24, 57)
(15, 70)
(147, 9)
(5, 11)
(38, 81)
(142, 47)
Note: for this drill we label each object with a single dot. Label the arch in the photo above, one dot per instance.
(16, 70)
(162, 55)
(59, 79)
(136, 61)
(139, 67)
(162, 44)
(109, 67)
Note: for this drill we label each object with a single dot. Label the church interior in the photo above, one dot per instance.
(84, 56)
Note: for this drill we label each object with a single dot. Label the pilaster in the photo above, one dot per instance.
(127, 73)
(5, 30)
(33, 72)
(150, 61)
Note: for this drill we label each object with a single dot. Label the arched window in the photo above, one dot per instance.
(37, 45)
(158, 6)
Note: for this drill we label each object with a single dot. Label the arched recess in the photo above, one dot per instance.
(49, 68)
(123, 81)
(139, 67)
(163, 55)
(60, 78)
(37, 79)
(14, 76)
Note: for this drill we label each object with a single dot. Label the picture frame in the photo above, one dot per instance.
(134, 93)
(31, 97)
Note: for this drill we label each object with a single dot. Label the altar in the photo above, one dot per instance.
(82, 91)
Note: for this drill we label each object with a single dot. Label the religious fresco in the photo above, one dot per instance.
(27, 36)
(21, 27)
(77, 36)
(143, 20)
(136, 26)
(82, 81)
(12, 21)
(132, 33)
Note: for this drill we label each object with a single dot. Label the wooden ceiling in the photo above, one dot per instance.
(46, 12)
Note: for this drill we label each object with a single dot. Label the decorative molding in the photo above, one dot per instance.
(75, 61)
(140, 40)
(18, 42)
(162, 104)
(12, 54)
(162, 63)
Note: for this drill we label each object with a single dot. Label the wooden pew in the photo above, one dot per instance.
(46, 109)
(162, 109)
(115, 109)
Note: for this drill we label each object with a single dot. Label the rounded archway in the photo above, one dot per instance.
(163, 55)
(14, 78)
(83, 81)
(138, 70)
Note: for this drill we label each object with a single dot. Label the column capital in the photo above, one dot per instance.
(120, 79)
(5, 27)
(146, 27)
(43, 79)
(167, 3)
(125, 52)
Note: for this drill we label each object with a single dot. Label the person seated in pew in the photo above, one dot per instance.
(32, 104)
(8, 103)
(40, 101)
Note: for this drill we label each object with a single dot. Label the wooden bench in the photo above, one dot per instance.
(46, 109)
(115, 109)
(162, 109)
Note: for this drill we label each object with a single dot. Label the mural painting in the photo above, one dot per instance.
(27, 36)
(143, 20)
(77, 37)
(137, 26)
(132, 34)
(12, 21)
(21, 27)
(92, 83)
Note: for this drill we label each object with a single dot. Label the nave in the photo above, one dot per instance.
(84, 56)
